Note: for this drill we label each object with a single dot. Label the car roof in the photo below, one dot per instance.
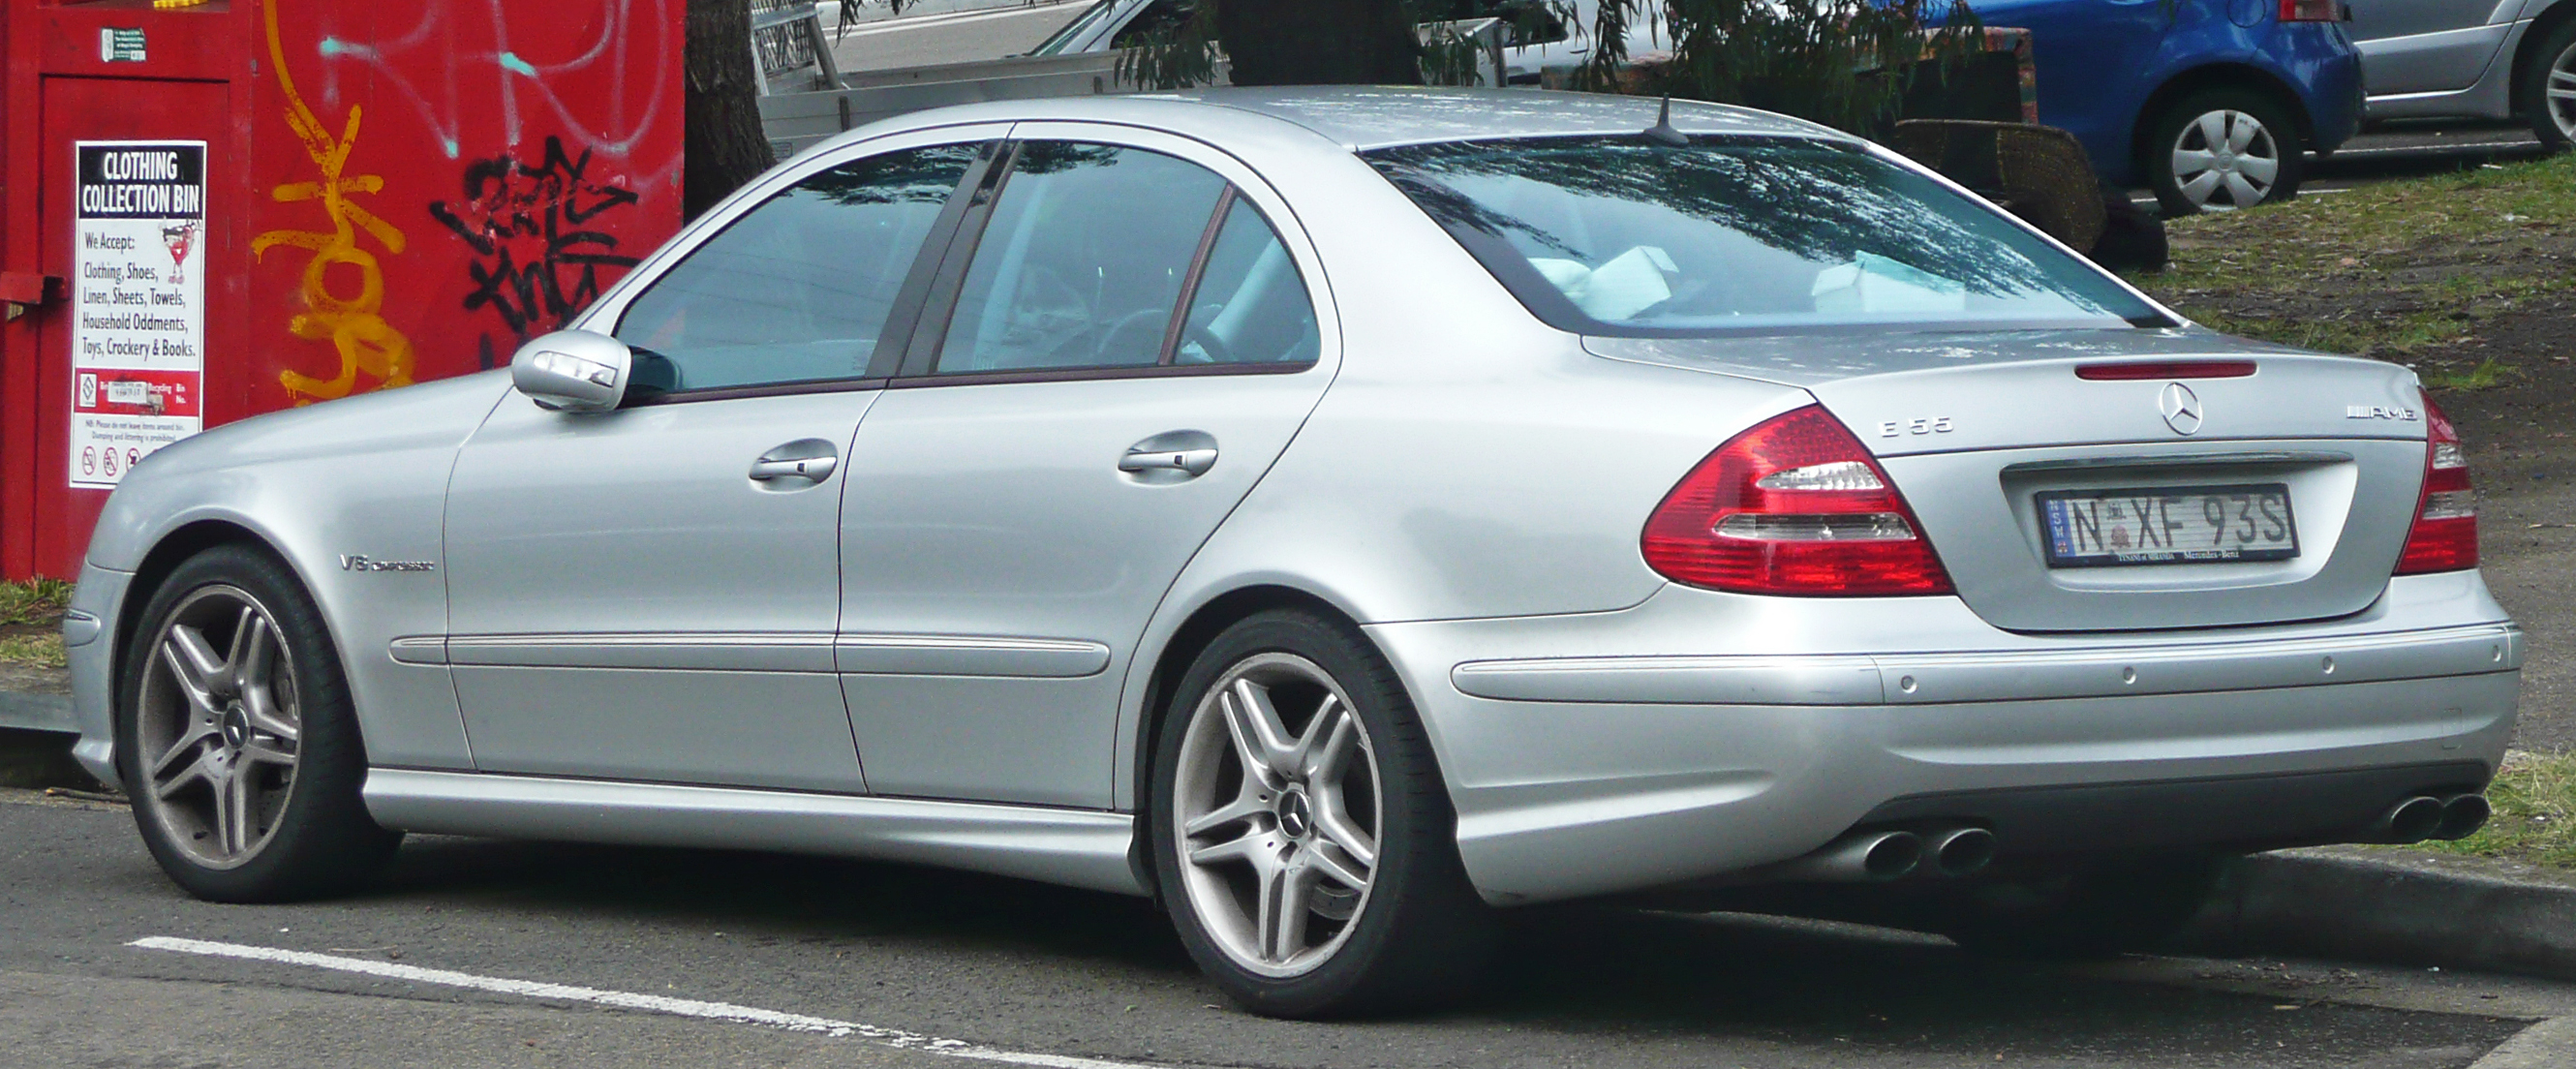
(1367, 117)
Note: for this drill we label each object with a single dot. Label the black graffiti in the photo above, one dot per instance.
(537, 259)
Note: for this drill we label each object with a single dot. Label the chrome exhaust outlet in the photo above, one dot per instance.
(1959, 851)
(2462, 816)
(1860, 857)
(2412, 820)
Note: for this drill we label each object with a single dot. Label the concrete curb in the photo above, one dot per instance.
(2550, 1044)
(2398, 907)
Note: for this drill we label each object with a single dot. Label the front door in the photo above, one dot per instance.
(1128, 344)
(651, 593)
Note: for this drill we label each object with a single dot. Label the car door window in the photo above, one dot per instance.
(1250, 306)
(1082, 261)
(799, 288)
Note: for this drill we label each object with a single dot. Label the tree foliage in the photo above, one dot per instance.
(1843, 63)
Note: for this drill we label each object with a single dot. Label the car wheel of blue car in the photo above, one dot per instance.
(2549, 88)
(2224, 149)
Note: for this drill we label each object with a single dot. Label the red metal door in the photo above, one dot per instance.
(94, 110)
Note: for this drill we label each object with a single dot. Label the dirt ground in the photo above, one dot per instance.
(2521, 435)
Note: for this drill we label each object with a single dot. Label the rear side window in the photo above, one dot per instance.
(1626, 236)
(1250, 306)
(1082, 262)
(797, 289)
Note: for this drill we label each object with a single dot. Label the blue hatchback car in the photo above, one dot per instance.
(2212, 103)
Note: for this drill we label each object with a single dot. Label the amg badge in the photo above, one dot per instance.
(356, 562)
(2402, 415)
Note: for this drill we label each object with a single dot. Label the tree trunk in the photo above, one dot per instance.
(724, 144)
(1319, 42)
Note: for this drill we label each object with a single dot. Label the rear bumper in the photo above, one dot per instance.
(1610, 752)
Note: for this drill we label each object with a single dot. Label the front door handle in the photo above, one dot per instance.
(1182, 454)
(809, 459)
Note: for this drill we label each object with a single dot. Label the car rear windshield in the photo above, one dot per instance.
(1629, 236)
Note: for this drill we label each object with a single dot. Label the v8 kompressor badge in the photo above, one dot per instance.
(358, 562)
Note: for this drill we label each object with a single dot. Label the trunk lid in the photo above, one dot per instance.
(1976, 429)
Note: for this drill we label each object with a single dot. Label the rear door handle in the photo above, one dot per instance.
(1188, 453)
(809, 459)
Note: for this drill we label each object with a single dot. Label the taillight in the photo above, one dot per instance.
(2445, 536)
(2312, 10)
(1793, 506)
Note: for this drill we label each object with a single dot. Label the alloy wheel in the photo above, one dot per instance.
(217, 726)
(2224, 160)
(2560, 93)
(1277, 801)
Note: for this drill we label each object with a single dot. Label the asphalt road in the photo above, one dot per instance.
(1050, 974)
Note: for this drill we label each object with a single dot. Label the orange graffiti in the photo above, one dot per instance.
(353, 325)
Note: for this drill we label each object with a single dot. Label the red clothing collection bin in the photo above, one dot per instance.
(217, 209)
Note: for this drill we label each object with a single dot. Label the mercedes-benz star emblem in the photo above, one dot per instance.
(2181, 408)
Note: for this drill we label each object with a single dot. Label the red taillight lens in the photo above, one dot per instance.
(1793, 506)
(2312, 10)
(2445, 537)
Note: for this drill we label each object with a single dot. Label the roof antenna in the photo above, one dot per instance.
(1662, 132)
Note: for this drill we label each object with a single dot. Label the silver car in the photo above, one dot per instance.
(1339, 514)
(2486, 59)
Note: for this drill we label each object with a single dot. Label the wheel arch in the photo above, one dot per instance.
(1173, 660)
(2527, 50)
(175, 547)
(2224, 75)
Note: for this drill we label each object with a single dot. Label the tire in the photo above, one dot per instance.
(2553, 67)
(237, 739)
(1391, 924)
(2099, 912)
(2262, 137)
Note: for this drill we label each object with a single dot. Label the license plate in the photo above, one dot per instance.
(2167, 525)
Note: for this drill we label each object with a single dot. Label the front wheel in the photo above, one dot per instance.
(2224, 149)
(1303, 838)
(2549, 88)
(237, 740)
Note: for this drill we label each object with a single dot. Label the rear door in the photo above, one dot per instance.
(1125, 333)
(2426, 46)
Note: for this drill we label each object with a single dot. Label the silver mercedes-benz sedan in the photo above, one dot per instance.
(1339, 514)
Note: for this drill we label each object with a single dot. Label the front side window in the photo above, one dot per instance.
(1082, 262)
(1627, 236)
(799, 288)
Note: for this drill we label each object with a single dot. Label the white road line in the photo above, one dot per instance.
(713, 1011)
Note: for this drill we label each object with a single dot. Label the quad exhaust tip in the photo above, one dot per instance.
(2422, 817)
(2463, 815)
(1859, 857)
(1960, 851)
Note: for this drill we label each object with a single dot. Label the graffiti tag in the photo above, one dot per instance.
(538, 260)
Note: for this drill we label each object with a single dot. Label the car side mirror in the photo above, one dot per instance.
(573, 371)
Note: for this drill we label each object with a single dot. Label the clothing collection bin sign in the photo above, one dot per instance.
(138, 303)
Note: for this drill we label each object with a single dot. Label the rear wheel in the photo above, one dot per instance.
(1303, 839)
(2096, 912)
(2549, 88)
(238, 744)
(2224, 149)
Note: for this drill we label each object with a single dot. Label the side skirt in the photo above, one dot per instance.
(1077, 848)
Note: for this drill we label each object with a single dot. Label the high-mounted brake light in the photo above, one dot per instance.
(2165, 369)
(1793, 506)
(2312, 10)
(2445, 535)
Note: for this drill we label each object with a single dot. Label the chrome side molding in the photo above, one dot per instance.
(1073, 847)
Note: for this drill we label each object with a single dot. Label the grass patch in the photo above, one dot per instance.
(35, 603)
(2385, 270)
(2487, 373)
(42, 651)
(2535, 813)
